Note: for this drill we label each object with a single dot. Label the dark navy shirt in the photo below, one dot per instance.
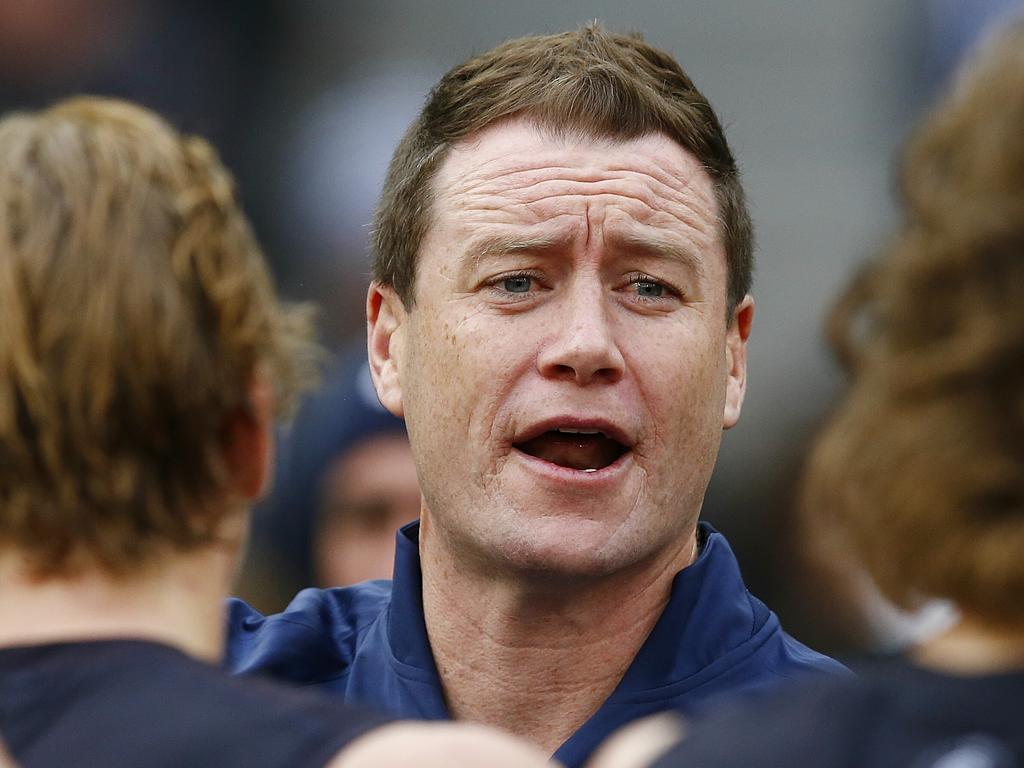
(893, 715)
(368, 644)
(131, 703)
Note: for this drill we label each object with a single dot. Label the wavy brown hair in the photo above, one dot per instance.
(135, 309)
(921, 470)
(587, 81)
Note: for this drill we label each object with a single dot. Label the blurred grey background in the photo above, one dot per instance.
(306, 99)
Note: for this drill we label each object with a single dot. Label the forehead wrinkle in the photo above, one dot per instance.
(692, 206)
(528, 189)
(523, 183)
(674, 168)
(671, 164)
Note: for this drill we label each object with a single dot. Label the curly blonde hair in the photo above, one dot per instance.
(135, 308)
(921, 470)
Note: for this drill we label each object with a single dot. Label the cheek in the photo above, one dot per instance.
(483, 353)
(681, 378)
(456, 381)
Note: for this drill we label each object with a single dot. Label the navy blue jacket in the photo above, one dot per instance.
(368, 644)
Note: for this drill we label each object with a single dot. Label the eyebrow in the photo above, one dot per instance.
(490, 246)
(658, 247)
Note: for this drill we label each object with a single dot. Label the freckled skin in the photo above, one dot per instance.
(574, 318)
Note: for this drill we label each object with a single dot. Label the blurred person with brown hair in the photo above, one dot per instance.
(560, 311)
(919, 475)
(143, 358)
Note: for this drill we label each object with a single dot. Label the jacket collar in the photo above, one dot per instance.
(709, 613)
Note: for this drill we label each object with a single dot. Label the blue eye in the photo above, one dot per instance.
(649, 289)
(517, 283)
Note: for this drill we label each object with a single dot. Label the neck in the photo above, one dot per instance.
(178, 602)
(538, 657)
(974, 647)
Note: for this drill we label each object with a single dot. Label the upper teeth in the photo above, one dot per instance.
(568, 431)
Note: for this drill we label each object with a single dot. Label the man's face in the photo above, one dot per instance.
(568, 366)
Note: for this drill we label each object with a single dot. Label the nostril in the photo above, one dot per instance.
(582, 357)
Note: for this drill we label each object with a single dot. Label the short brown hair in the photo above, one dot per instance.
(135, 307)
(590, 81)
(921, 471)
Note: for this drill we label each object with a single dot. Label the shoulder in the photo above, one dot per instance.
(276, 724)
(139, 703)
(794, 659)
(770, 659)
(780, 655)
(894, 715)
(759, 642)
(779, 729)
(312, 639)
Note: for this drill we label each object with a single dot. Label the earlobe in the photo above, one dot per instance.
(385, 320)
(736, 360)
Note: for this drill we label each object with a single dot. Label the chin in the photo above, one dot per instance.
(567, 548)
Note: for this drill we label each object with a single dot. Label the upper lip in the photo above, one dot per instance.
(609, 428)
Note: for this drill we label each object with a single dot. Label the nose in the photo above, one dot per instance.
(582, 346)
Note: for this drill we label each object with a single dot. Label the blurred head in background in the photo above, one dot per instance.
(143, 352)
(921, 471)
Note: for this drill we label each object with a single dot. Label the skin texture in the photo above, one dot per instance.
(566, 281)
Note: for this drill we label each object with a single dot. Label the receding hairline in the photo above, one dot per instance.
(589, 81)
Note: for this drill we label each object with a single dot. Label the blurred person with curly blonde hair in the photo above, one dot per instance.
(919, 475)
(143, 358)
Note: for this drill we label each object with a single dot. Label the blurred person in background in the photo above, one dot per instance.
(345, 483)
(143, 358)
(849, 608)
(919, 476)
(367, 486)
(560, 312)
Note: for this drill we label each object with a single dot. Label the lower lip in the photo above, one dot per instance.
(568, 475)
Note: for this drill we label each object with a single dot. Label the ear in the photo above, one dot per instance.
(249, 440)
(385, 323)
(736, 360)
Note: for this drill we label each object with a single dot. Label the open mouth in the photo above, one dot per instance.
(587, 450)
